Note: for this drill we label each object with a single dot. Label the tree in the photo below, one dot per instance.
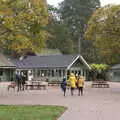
(54, 14)
(60, 39)
(75, 14)
(104, 31)
(91, 53)
(22, 25)
(58, 33)
(98, 71)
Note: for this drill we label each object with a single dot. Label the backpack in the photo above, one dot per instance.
(63, 85)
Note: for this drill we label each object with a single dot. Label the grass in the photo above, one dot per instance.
(15, 112)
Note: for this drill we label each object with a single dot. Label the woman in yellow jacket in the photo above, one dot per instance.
(80, 85)
(72, 82)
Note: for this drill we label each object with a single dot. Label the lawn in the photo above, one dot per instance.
(12, 112)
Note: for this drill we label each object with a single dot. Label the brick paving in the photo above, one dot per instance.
(96, 104)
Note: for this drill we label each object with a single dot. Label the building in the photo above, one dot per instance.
(6, 69)
(53, 67)
(114, 73)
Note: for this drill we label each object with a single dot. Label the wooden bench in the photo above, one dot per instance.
(56, 83)
(100, 85)
(36, 85)
(33, 87)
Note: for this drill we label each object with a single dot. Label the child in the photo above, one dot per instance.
(63, 85)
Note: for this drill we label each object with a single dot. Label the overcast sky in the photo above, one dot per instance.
(103, 2)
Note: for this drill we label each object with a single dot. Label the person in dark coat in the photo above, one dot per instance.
(18, 81)
(23, 79)
(63, 85)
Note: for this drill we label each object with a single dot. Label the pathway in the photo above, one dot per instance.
(96, 104)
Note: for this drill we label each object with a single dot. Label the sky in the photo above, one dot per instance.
(103, 2)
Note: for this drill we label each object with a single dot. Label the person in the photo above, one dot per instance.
(23, 78)
(18, 81)
(63, 85)
(72, 82)
(80, 84)
(77, 77)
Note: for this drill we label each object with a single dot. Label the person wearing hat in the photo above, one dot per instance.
(80, 84)
(72, 82)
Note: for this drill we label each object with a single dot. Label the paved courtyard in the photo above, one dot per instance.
(96, 104)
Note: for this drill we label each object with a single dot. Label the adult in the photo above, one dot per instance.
(72, 82)
(23, 79)
(80, 84)
(18, 81)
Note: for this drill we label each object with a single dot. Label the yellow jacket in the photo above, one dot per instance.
(81, 82)
(72, 81)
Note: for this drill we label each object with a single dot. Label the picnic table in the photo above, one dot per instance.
(54, 83)
(36, 85)
(100, 84)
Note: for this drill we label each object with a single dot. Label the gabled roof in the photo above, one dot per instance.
(50, 61)
(116, 67)
(5, 63)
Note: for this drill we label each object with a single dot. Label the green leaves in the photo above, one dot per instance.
(98, 71)
(99, 67)
(59, 38)
(58, 33)
(104, 31)
(75, 15)
(22, 25)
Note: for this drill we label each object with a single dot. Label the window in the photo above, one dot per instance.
(72, 71)
(83, 72)
(68, 72)
(79, 72)
(38, 72)
(76, 73)
(64, 72)
(53, 73)
(60, 73)
(49, 73)
(1, 73)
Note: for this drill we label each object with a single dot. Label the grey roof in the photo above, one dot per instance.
(50, 61)
(5, 63)
(116, 67)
